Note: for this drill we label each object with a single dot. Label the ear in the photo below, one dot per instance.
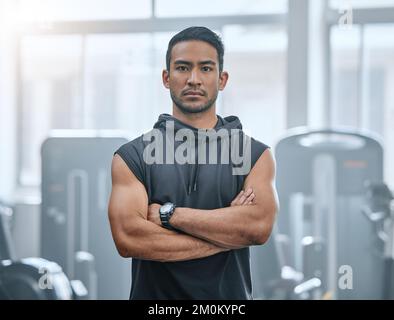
(166, 78)
(223, 80)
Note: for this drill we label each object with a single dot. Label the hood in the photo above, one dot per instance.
(228, 123)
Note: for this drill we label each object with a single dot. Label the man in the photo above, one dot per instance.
(188, 225)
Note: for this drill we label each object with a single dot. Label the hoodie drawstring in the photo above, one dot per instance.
(193, 176)
(191, 179)
(228, 123)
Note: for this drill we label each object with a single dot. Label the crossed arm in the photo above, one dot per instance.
(137, 231)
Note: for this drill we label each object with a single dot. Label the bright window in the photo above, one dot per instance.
(178, 8)
(256, 90)
(361, 3)
(362, 82)
(68, 10)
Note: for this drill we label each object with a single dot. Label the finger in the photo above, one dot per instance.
(236, 199)
(250, 198)
(240, 194)
(245, 196)
(242, 199)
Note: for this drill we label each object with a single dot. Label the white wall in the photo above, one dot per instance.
(7, 108)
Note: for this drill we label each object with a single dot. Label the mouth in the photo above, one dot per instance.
(193, 93)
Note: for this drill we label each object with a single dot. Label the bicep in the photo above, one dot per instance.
(128, 201)
(262, 180)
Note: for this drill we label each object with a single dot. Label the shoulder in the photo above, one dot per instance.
(132, 154)
(135, 145)
(257, 149)
(263, 163)
(258, 146)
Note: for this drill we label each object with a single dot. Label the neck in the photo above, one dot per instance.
(201, 120)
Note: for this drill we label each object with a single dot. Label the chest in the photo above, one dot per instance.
(216, 185)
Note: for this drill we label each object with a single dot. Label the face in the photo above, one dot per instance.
(194, 79)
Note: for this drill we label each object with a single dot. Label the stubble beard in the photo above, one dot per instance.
(184, 108)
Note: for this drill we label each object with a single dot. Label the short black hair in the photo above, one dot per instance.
(200, 34)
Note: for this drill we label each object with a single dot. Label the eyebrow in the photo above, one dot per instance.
(177, 62)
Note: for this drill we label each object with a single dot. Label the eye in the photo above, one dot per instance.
(206, 68)
(181, 68)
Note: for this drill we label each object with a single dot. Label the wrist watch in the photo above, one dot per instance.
(166, 211)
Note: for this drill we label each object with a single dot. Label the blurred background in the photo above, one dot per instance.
(312, 79)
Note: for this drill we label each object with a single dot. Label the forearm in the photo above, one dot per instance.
(148, 241)
(231, 227)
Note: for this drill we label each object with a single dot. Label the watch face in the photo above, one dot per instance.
(166, 207)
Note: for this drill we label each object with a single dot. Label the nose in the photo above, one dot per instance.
(194, 78)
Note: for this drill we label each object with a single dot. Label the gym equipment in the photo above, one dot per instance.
(379, 211)
(320, 183)
(76, 185)
(7, 250)
(31, 278)
(272, 276)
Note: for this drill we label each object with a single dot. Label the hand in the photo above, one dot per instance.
(243, 198)
(153, 213)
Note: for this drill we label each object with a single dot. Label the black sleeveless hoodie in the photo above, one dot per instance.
(207, 186)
